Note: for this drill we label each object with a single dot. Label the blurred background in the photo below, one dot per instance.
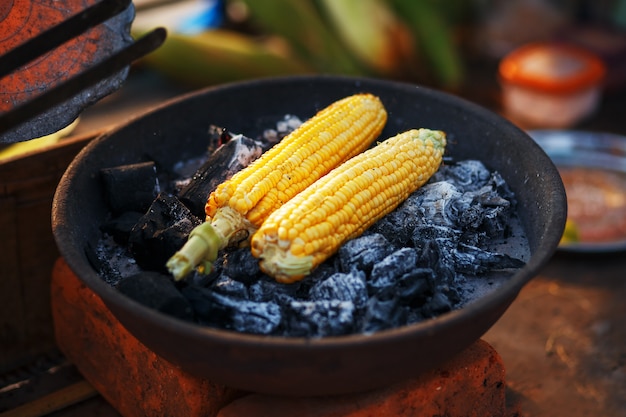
(452, 45)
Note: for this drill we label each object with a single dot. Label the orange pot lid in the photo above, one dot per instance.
(552, 67)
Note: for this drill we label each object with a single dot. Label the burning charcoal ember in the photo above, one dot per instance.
(240, 265)
(244, 316)
(387, 272)
(130, 187)
(364, 252)
(343, 287)
(160, 232)
(157, 291)
(383, 311)
(229, 158)
(319, 318)
(229, 287)
(120, 227)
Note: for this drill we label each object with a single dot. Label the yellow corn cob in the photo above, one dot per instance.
(238, 206)
(304, 232)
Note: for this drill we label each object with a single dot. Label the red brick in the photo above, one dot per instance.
(137, 382)
(133, 379)
(470, 385)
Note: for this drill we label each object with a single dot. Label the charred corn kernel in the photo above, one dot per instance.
(304, 232)
(238, 206)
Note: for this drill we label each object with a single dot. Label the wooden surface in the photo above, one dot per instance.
(27, 249)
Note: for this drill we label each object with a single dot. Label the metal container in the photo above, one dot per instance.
(300, 366)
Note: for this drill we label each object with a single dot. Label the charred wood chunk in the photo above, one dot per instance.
(224, 312)
(363, 252)
(476, 261)
(157, 291)
(229, 158)
(466, 175)
(383, 311)
(101, 264)
(343, 287)
(438, 254)
(267, 289)
(120, 227)
(240, 265)
(161, 232)
(387, 272)
(415, 287)
(319, 318)
(398, 226)
(225, 285)
(438, 304)
(428, 232)
(130, 187)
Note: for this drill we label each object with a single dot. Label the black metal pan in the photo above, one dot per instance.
(299, 366)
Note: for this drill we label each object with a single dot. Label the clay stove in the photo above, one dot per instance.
(137, 382)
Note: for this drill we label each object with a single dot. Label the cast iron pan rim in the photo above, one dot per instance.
(81, 267)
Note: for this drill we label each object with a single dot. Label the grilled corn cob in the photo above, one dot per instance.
(302, 233)
(238, 206)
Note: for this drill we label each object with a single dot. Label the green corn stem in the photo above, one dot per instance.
(200, 251)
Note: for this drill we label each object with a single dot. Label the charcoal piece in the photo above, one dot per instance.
(437, 255)
(398, 226)
(225, 285)
(386, 273)
(363, 252)
(434, 201)
(161, 232)
(476, 261)
(240, 265)
(101, 264)
(266, 289)
(465, 175)
(157, 291)
(438, 304)
(130, 187)
(415, 287)
(229, 158)
(120, 227)
(427, 232)
(383, 311)
(216, 310)
(319, 318)
(342, 287)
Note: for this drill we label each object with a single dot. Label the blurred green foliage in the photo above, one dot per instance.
(410, 40)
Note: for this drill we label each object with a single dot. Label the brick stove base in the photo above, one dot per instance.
(137, 382)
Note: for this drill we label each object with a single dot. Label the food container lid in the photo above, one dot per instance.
(552, 67)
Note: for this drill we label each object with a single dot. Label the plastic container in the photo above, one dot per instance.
(548, 85)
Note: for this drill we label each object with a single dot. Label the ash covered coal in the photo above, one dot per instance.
(451, 242)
